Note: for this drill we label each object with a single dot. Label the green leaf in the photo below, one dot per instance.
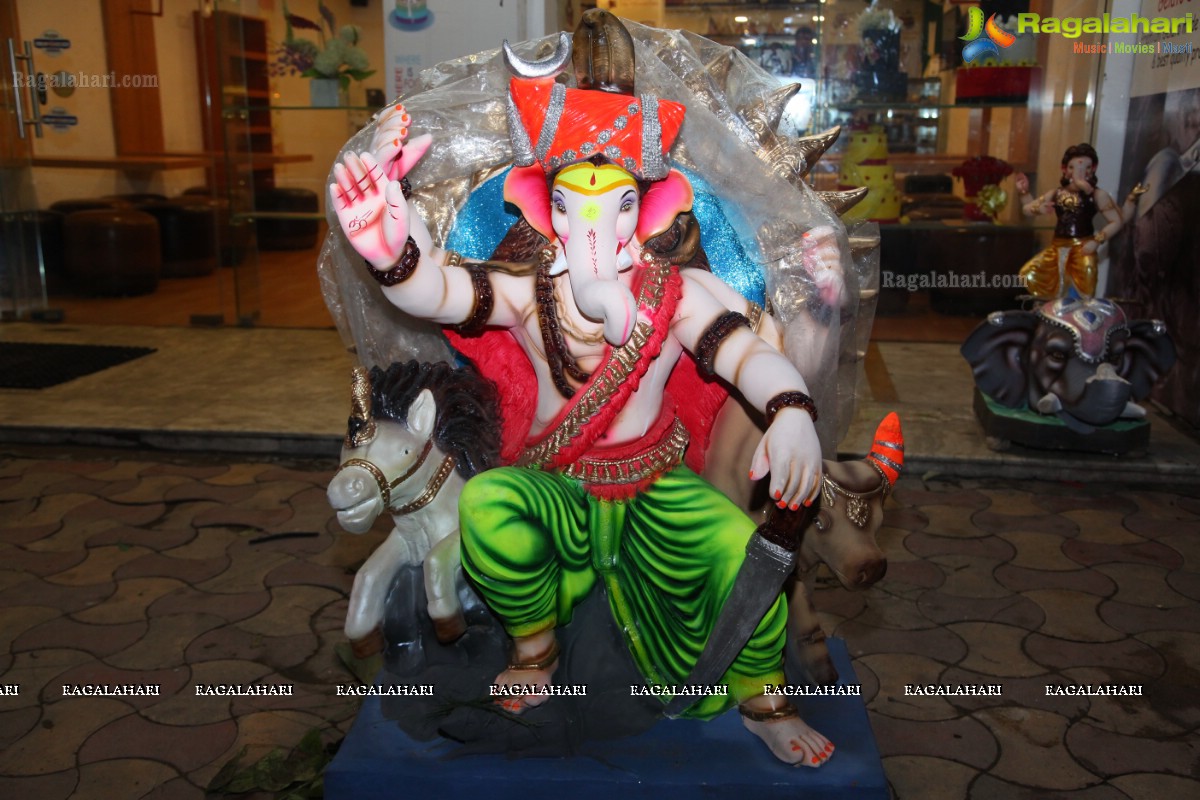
(226, 772)
(243, 782)
(360, 74)
(311, 744)
(273, 773)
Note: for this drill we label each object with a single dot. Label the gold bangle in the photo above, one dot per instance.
(1099, 237)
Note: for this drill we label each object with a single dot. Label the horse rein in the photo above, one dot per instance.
(436, 481)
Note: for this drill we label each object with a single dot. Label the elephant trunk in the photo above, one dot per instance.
(1104, 397)
(599, 295)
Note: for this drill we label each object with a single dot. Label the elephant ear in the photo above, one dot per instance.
(526, 188)
(661, 203)
(998, 354)
(1149, 353)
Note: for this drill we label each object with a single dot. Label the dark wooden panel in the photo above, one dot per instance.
(137, 110)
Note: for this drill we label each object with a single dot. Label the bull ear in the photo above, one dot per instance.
(1149, 353)
(661, 203)
(998, 354)
(526, 188)
(422, 414)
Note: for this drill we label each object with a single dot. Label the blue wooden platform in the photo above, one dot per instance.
(681, 759)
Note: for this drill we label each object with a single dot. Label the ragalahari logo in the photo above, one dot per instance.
(983, 39)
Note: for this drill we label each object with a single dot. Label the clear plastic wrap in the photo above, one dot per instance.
(462, 104)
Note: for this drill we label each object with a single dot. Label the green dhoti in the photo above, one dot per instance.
(535, 543)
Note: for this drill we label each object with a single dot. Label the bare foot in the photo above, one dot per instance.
(791, 740)
(534, 660)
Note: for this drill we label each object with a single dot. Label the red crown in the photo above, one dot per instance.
(553, 125)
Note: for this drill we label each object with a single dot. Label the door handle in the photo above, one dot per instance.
(18, 79)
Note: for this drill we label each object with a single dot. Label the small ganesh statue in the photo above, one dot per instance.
(613, 345)
(1070, 260)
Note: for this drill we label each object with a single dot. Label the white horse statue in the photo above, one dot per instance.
(416, 433)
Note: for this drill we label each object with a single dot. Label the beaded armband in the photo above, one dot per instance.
(404, 268)
(485, 300)
(790, 399)
(718, 331)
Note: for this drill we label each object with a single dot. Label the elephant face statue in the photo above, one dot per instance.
(1078, 359)
(599, 217)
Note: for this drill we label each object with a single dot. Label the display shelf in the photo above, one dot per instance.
(734, 5)
(260, 107)
(916, 106)
(232, 61)
(251, 216)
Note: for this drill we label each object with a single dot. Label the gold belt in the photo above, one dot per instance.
(650, 463)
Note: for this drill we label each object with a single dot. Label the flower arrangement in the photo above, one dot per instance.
(978, 174)
(337, 56)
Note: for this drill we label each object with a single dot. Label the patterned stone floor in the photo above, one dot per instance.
(126, 569)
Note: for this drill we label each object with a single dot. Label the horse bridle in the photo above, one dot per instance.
(436, 481)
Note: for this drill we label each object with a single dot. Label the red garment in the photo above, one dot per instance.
(501, 360)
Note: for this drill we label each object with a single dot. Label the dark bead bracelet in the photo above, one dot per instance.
(485, 300)
(711, 339)
(790, 400)
(404, 268)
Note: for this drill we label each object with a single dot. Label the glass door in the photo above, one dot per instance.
(22, 277)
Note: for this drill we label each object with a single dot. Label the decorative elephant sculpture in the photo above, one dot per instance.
(1078, 359)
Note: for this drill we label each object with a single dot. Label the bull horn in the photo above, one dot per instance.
(361, 426)
(546, 68)
(813, 147)
(841, 202)
(887, 451)
(603, 53)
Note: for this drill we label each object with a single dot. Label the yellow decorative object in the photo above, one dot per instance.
(865, 164)
(992, 200)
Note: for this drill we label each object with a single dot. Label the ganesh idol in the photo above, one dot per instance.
(604, 338)
(1070, 260)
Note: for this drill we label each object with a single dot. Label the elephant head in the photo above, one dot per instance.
(1076, 358)
(590, 172)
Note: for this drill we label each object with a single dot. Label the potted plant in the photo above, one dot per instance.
(330, 64)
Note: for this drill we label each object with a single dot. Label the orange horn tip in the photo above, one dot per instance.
(887, 451)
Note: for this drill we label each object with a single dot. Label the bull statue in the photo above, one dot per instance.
(843, 539)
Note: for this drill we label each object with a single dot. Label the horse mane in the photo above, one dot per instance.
(468, 420)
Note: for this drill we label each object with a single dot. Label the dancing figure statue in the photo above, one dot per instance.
(1070, 260)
